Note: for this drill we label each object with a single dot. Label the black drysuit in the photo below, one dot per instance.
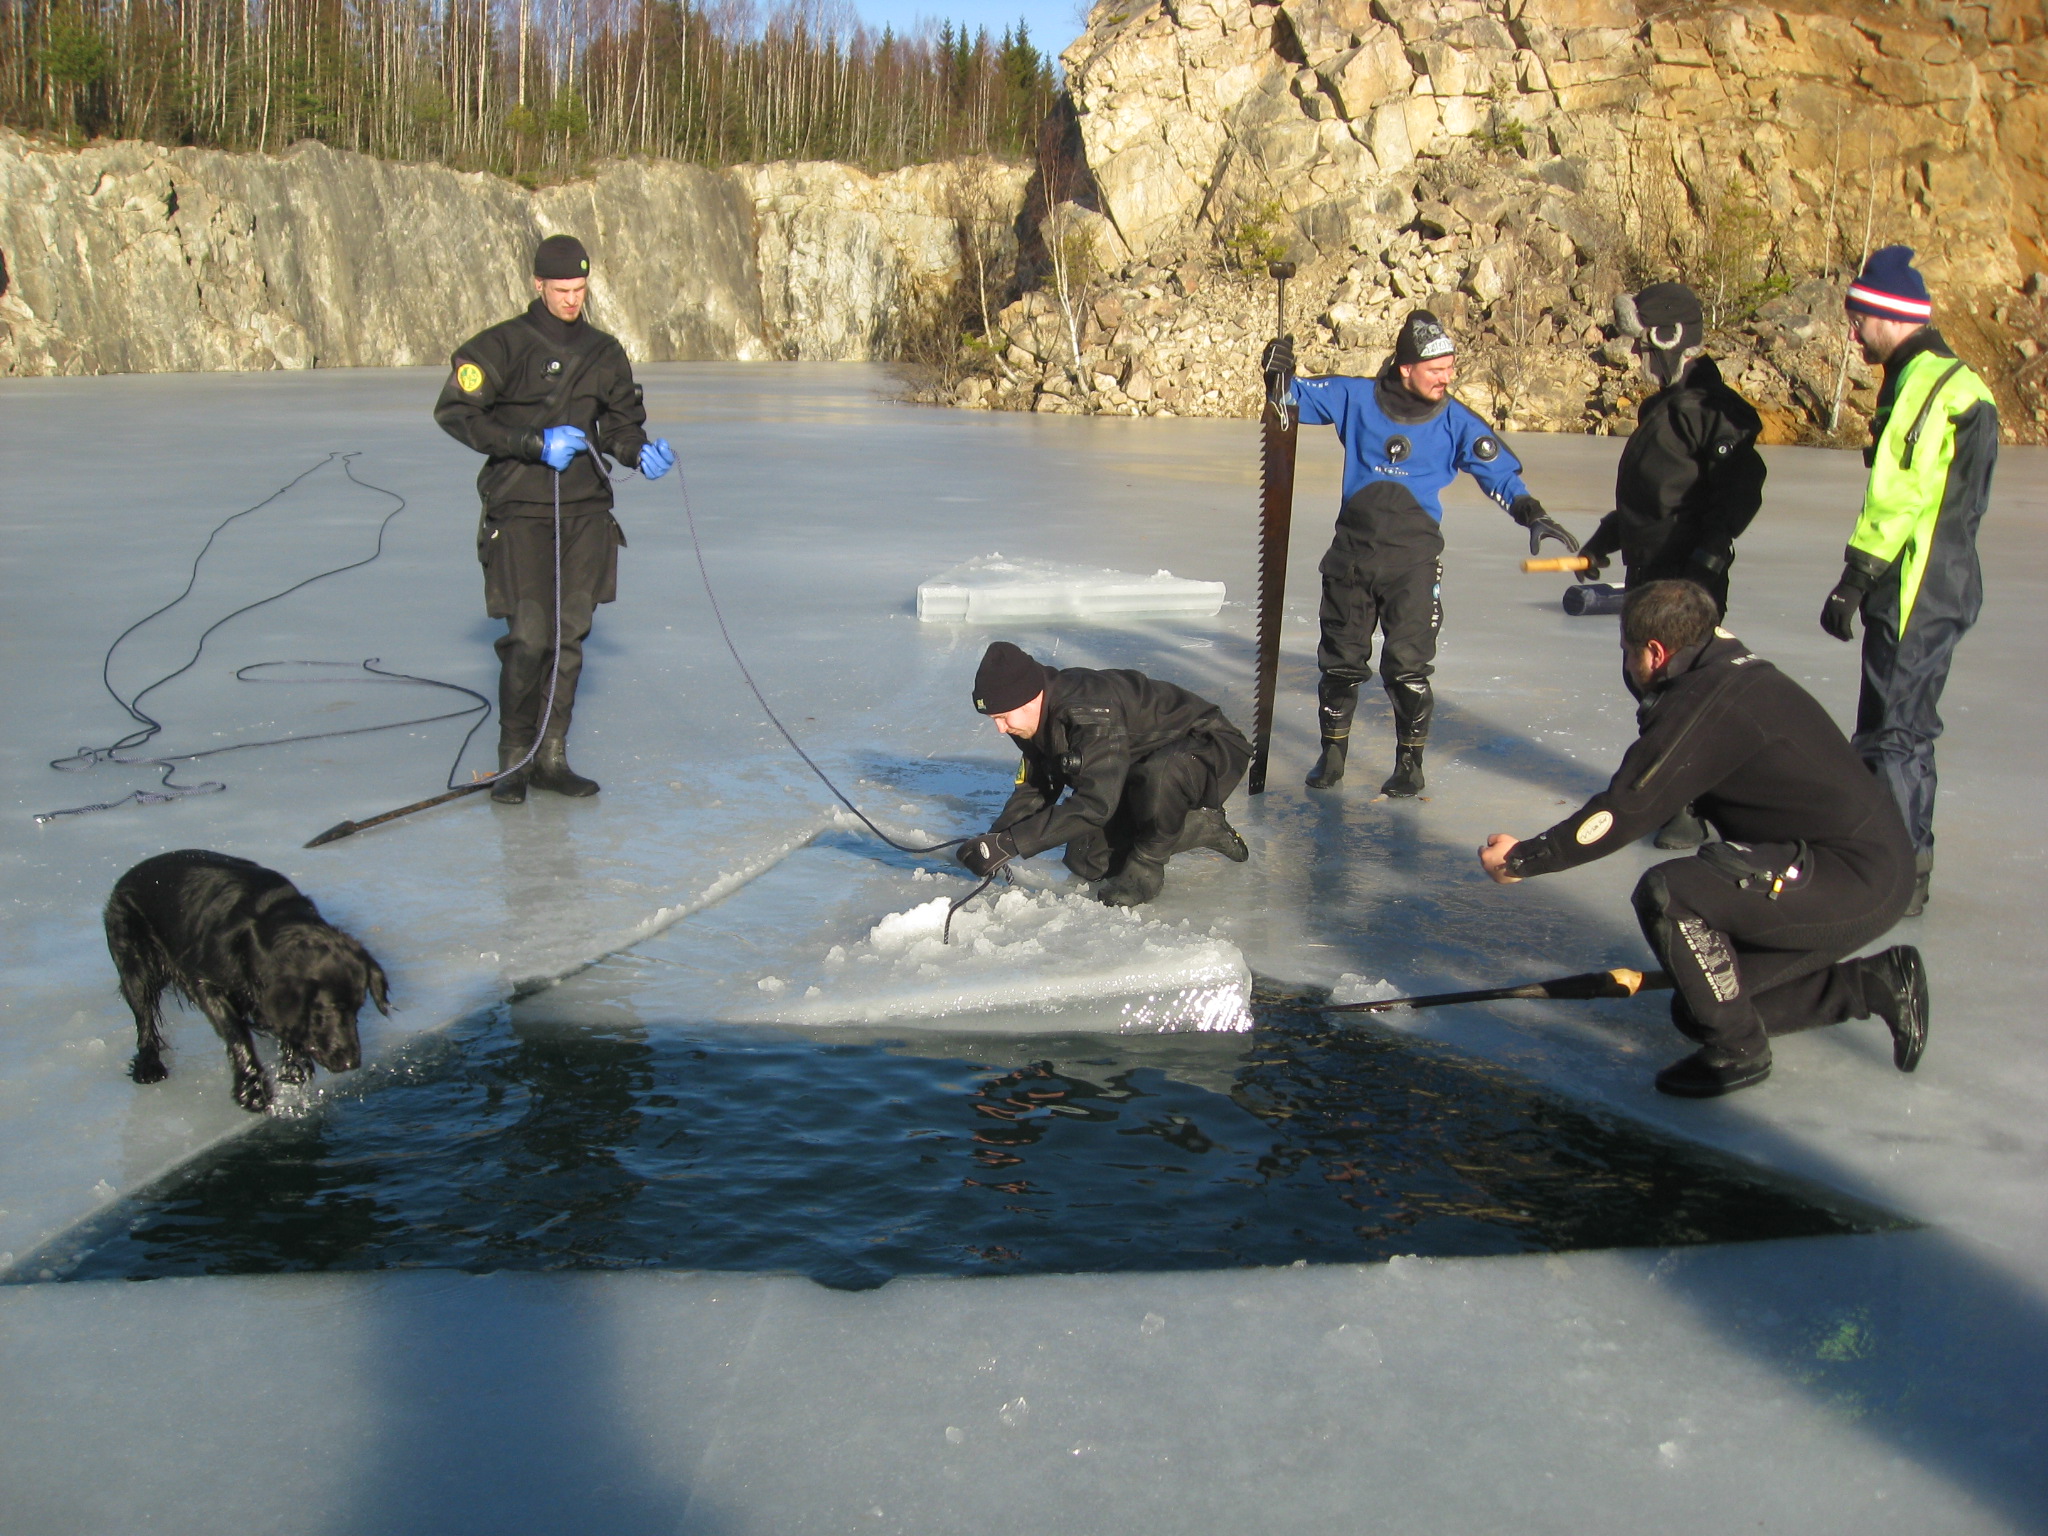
(508, 385)
(1132, 756)
(1689, 482)
(1817, 862)
(1384, 569)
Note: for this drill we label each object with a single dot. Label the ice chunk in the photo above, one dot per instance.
(1025, 951)
(990, 587)
(1353, 988)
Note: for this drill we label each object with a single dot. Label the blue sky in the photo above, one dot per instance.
(1054, 23)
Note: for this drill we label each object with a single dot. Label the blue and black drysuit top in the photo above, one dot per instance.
(1399, 453)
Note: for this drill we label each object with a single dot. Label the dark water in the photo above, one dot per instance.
(515, 1146)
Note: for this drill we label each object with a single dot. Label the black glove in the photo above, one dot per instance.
(1596, 562)
(1838, 613)
(988, 853)
(1859, 570)
(1278, 357)
(1528, 511)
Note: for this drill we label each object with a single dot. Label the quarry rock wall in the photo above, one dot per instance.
(1513, 163)
(132, 257)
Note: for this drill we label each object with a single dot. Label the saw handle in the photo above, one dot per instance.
(1558, 563)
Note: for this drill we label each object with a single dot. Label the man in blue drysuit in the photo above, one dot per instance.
(1404, 439)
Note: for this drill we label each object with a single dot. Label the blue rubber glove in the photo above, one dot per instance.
(657, 458)
(558, 445)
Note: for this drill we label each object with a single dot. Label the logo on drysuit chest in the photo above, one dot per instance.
(554, 367)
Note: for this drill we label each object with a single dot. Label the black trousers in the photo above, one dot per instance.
(1747, 966)
(1404, 602)
(1897, 719)
(1159, 791)
(518, 554)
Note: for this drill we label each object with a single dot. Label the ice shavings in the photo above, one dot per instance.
(1037, 951)
(1353, 988)
(991, 587)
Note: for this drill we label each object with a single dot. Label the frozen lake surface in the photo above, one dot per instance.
(1885, 1382)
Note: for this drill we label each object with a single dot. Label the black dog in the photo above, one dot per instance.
(243, 944)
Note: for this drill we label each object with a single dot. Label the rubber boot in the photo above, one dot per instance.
(1406, 779)
(1923, 874)
(1685, 830)
(1140, 880)
(510, 789)
(1708, 1073)
(1336, 701)
(1207, 827)
(551, 770)
(1895, 989)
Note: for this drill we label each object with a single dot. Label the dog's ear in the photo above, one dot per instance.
(380, 988)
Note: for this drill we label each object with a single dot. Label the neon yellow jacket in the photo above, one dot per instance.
(1910, 470)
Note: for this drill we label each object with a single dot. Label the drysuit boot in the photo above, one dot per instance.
(551, 770)
(1895, 989)
(1923, 874)
(1336, 701)
(1406, 780)
(1207, 827)
(510, 789)
(1140, 880)
(1708, 1073)
(1685, 830)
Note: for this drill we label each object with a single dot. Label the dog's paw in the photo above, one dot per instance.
(148, 1067)
(253, 1094)
(294, 1069)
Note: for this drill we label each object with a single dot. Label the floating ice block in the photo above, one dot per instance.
(1022, 952)
(990, 588)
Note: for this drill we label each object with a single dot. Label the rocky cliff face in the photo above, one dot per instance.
(1512, 163)
(135, 258)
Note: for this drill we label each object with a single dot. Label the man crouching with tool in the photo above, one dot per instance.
(1145, 768)
(543, 395)
(1816, 862)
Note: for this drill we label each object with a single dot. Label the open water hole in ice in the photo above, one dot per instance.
(529, 1145)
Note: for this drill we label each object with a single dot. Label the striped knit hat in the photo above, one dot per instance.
(1889, 288)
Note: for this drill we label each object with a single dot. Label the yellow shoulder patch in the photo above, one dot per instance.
(469, 378)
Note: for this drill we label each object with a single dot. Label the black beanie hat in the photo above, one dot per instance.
(561, 258)
(1664, 317)
(1007, 679)
(1422, 337)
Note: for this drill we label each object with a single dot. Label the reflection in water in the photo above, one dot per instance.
(528, 1146)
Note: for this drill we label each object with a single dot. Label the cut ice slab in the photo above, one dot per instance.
(990, 587)
(1043, 952)
(846, 934)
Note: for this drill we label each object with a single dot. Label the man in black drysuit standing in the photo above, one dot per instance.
(543, 396)
(1690, 478)
(1817, 863)
(1144, 767)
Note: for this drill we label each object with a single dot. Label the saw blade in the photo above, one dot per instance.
(1278, 432)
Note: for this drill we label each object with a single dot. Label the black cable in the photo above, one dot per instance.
(726, 634)
(89, 757)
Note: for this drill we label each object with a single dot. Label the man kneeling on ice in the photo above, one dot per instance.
(1752, 930)
(1145, 768)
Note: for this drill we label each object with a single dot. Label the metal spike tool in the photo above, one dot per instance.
(1279, 423)
(1585, 987)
